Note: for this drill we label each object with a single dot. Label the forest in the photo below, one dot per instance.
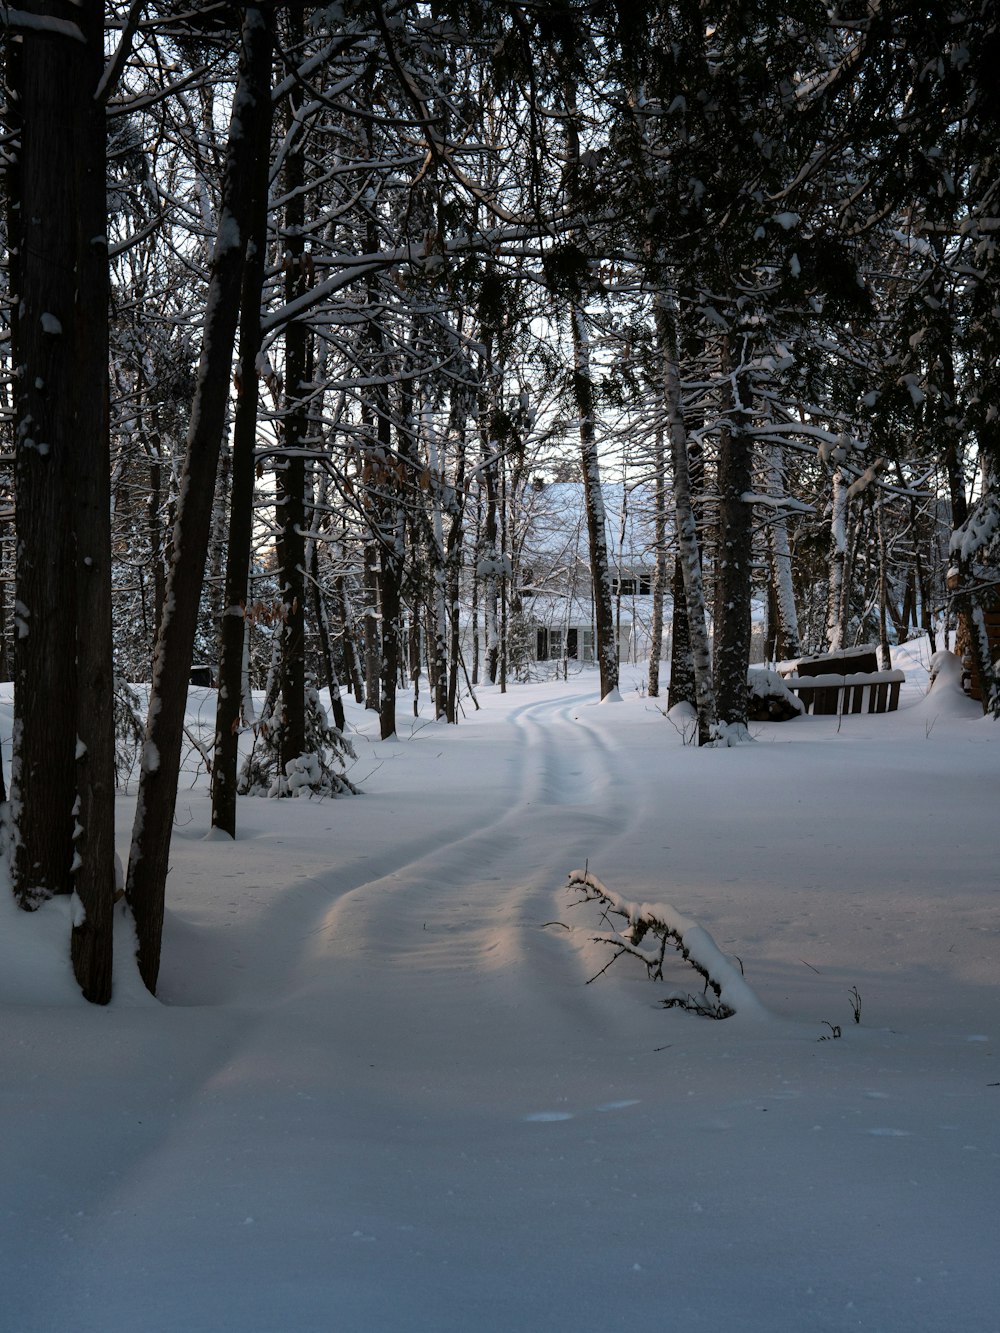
(306, 309)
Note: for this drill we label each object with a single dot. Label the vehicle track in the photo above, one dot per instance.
(469, 901)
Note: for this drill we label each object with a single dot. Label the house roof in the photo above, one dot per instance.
(556, 525)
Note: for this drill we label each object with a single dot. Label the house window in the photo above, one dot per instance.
(633, 585)
(575, 643)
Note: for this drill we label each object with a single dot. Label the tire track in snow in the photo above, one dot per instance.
(472, 901)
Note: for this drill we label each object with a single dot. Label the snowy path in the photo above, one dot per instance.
(381, 1097)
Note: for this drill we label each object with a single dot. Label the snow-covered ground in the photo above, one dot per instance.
(376, 1092)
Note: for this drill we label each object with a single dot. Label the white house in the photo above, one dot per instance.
(555, 571)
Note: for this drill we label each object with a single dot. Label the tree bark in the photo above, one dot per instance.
(290, 469)
(687, 531)
(733, 560)
(786, 636)
(838, 556)
(62, 797)
(225, 768)
(660, 567)
(372, 629)
(600, 574)
(682, 687)
(147, 871)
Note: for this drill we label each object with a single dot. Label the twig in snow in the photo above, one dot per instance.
(694, 944)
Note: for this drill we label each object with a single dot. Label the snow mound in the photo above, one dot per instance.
(945, 696)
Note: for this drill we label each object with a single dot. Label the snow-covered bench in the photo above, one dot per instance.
(857, 687)
(860, 692)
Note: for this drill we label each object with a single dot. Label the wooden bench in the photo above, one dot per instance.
(860, 692)
(846, 681)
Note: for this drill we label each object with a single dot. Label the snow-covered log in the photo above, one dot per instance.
(725, 991)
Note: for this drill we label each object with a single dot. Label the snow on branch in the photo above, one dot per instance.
(18, 18)
(786, 503)
(862, 483)
(980, 529)
(725, 992)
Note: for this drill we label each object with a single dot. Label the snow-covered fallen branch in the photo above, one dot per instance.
(725, 991)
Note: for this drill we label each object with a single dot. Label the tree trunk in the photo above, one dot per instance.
(392, 554)
(490, 562)
(391, 549)
(786, 629)
(838, 555)
(147, 872)
(319, 610)
(353, 664)
(660, 567)
(62, 794)
(91, 944)
(884, 655)
(290, 469)
(373, 636)
(687, 532)
(233, 630)
(733, 561)
(593, 496)
(682, 687)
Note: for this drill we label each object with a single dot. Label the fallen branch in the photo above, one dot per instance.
(725, 990)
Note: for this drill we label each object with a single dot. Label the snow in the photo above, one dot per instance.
(377, 1092)
(837, 655)
(44, 23)
(831, 679)
(228, 237)
(979, 530)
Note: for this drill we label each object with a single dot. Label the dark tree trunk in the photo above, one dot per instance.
(681, 689)
(291, 554)
(351, 657)
(685, 469)
(63, 767)
(290, 471)
(234, 625)
(392, 547)
(491, 555)
(43, 228)
(660, 568)
(600, 576)
(91, 943)
(373, 636)
(453, 556)
(731, 650)
(390, 588)
(154, 526)
(326, 649)
(147, 872)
